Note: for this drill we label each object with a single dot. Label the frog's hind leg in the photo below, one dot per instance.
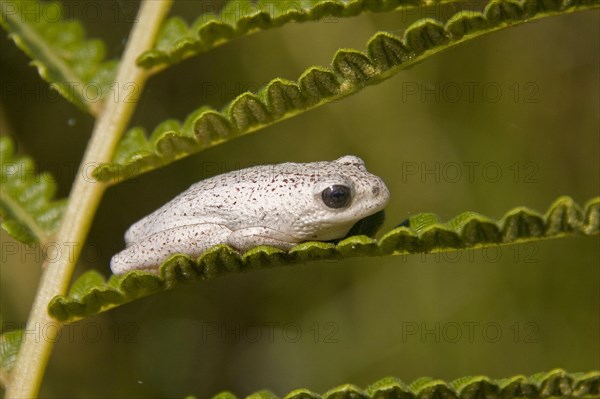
(249, 237)
(153, 250)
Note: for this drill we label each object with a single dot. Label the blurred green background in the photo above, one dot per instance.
(508, 119)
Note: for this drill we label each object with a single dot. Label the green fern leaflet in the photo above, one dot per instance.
(91, 293)
(28, 210)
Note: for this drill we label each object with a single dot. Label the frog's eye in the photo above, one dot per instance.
(336, 196)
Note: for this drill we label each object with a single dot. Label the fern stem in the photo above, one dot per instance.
(26, 377)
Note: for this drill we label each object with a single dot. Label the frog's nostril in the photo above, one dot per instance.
(375, 191)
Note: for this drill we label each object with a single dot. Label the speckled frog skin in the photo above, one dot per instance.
(278, 205)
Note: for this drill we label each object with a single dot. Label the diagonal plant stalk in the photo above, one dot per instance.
(26, 377)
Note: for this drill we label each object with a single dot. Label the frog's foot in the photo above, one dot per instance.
(250, 237)
(155, 249)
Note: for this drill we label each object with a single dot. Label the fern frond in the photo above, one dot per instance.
(72, 64)
(27, 209)
(10, 342)
(91, 294)
(553, 384)
(350, 72)
(215, 27)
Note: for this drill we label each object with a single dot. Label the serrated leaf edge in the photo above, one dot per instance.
(250, 112)
(222, 259)
(209, 31)
(45, 55)
(17, 214)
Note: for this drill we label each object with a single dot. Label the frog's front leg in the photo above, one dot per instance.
(250, 237)
(153, 250)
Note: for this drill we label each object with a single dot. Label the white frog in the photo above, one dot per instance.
(278, 205)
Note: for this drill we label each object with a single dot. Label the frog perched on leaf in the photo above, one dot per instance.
(277, 205)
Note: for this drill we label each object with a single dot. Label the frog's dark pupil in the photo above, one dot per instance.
(336, 196)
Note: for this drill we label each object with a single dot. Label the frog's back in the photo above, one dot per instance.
(245, 194)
